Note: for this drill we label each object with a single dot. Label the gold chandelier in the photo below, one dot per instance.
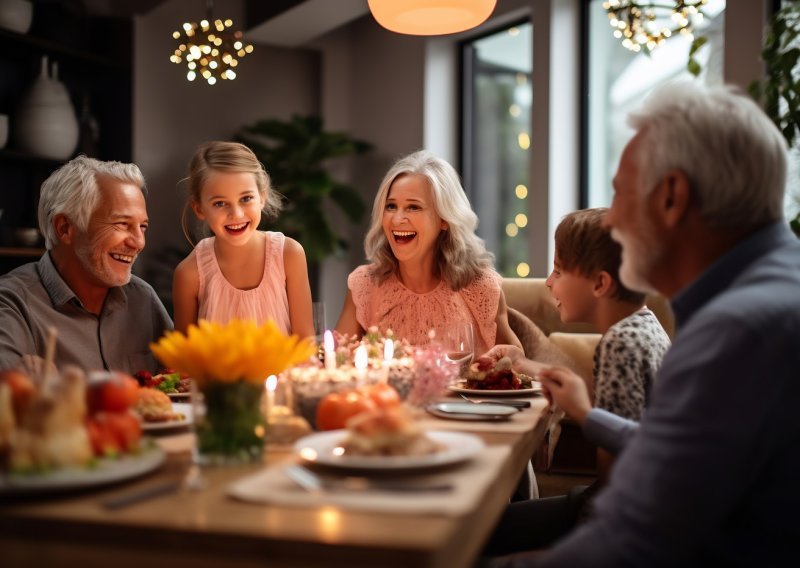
(645, 25)
(210, 48)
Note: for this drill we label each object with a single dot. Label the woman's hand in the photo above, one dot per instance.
(567, 390)
(511, 351)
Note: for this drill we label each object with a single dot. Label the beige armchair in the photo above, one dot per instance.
(573, 345)
(530, 297)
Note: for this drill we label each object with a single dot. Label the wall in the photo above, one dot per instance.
(172, 116)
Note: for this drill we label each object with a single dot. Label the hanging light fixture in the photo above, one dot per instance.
(645, 25)
(430, 17)
(210, 48)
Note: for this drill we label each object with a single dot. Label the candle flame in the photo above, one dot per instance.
(271, 383)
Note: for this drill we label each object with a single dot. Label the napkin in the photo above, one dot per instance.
(470, 480)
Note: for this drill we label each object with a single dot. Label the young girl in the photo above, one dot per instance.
(240, 272)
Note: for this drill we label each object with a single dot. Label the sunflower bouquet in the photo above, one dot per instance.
(229, 364)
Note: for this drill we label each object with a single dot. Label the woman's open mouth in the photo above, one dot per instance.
(403, 237)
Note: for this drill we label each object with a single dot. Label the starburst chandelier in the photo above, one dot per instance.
(210, 48)
(645, 25)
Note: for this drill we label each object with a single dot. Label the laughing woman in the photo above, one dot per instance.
(428, 268)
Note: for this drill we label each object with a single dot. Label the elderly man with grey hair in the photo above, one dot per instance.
(709, 477)
(93, 218)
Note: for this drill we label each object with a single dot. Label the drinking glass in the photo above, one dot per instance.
(459, 344)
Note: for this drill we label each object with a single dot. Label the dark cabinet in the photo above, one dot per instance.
(94, 57)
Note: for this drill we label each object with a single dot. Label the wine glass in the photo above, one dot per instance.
(459, 344)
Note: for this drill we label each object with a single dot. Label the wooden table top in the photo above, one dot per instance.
(207, 527)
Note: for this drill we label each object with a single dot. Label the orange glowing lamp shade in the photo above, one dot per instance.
(430, 17)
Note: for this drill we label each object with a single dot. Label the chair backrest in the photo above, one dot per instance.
(532, 297)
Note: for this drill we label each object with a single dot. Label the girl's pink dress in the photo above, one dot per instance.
(220, 301)
(410, 315)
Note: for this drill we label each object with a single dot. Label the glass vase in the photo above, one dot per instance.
(229, 423)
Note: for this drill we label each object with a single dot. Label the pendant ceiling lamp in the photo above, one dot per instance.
(430, 17)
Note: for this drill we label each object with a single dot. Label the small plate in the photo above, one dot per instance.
(461, 386)
(177, 407)
(324, 448)
(471, 411)
(179, 395)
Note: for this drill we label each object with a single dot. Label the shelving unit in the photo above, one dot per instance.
(94, 58)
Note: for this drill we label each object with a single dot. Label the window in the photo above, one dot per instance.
(497, 95)
(619, 79)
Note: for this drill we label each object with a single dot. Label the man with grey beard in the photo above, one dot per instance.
(709, 475)
(93, 218)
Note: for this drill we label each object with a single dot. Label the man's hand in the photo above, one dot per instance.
(567, 390)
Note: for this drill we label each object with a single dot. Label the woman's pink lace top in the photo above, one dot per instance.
(410, 315)
(220, 301)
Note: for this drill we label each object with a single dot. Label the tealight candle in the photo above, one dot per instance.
(330, 354)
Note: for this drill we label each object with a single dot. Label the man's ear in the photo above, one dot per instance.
(674, 198)
(65, 230)
(603, 284)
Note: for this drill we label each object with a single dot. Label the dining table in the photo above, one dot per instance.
(251, 515)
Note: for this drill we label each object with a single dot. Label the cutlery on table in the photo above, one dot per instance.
(313, 483)
(518, 404)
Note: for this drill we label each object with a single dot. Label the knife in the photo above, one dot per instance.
(141, 494)
(313, 483)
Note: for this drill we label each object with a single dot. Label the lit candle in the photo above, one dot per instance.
(388, 356)
(360, 362)
(330, 354)
(270, 384)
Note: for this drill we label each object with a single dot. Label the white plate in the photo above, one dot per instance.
(178, 395)
(460, 387)
(471, 411)
(322, 448)
(106, 471)
(178, 407)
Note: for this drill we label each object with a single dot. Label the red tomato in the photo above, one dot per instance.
(22, 389)
(117, 394)
(125, 428)
(383, 395)
(334, 410)
(104, 444)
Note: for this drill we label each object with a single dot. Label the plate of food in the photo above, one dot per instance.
(101, 472)
(181, 416)
(495, 378)
(386, 440)
(167, 381)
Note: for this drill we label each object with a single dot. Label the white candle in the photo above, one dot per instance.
(330, 354)
(360, 362)
(388, 356)
(270, 384)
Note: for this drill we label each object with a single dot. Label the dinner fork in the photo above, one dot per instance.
(314, 483)
(518, 404)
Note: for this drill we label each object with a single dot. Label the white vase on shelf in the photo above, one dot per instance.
(45, 123)
(16, 15)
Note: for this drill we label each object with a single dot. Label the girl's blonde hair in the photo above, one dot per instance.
(461, 255)
(232, 157)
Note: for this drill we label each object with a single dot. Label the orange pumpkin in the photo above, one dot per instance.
(336, 408)
(382, 394)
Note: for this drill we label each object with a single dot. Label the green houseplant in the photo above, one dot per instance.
(779, 90)
(295, 153)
